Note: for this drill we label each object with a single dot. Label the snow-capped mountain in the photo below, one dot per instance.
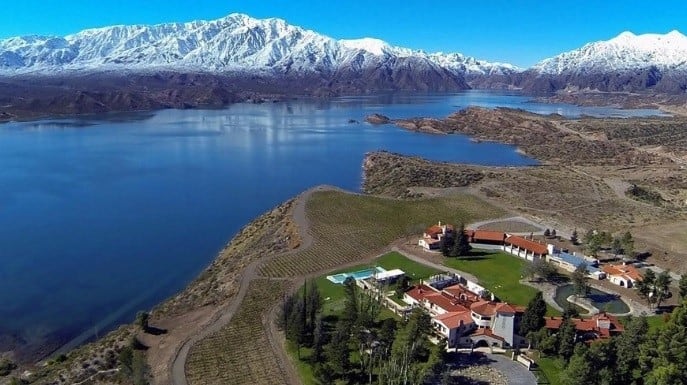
(236, 43)
(627, 62)
(626, 51)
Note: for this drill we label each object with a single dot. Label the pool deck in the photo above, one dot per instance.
(341, 277)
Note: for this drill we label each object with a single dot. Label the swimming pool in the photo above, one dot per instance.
(357, 275)
(600, 299)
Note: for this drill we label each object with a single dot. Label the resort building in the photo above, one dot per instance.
(599, 326)
(465, 319)
(622, 275)
(433, 237)
(524, 248)
(570, 262)
(486, 237)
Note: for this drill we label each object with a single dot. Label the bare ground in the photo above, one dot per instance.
(588, 166)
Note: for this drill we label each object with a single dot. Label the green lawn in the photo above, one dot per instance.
(416, 271)
(500, 273)
(655, 321)
(551, 369)
(303, 366)
(333, 293)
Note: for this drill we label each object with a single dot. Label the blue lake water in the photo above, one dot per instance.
(101, 217)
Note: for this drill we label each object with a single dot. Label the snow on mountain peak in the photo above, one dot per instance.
(236, 42)
(626, 51)
(371, 45)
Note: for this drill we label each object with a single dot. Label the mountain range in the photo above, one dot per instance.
(218, 60)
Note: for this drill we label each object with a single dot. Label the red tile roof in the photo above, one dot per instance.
(445, 302)
(526, 244)
(453, 320)
(488, 308)
(485, 235)
(434, 231)
(458, 290)
(593, 324)
(628, 271)
(419, 292)
(486, 332)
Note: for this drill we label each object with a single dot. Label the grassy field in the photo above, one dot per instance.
(239, 353)
(500, 273)
(347, 228)
(551, 369)
(497, 271)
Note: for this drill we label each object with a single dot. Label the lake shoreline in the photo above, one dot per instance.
(190, 118)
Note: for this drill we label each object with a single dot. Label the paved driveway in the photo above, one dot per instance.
(516, 372)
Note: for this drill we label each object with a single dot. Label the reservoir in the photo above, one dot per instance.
(103, 216)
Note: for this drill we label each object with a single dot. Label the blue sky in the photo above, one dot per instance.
(521, 32)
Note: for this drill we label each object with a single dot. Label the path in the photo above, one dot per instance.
(515, 372)
(520, 219)
(249, 273)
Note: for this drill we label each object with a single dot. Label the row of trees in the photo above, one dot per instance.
(456, 246)
(594, 241)
(353, 346)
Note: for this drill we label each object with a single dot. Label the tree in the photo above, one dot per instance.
(547, 233)
(297, 325)
(350, 312)
(318, 340)
(579, 280)
(567, 338)
(387, 334)
(538, 339)
(616, 246)
(337, 352)
(645, 287)
(142, 319)
(570, 311)
(553, 233)
(627, 350)
(313, 305)
(662, 287)
(602, 360)
(446, 245)
(682, 287)
(663, 356)
(593, 245)
(628, 244)
(579, 370)
(539, 268)
(533, 318)
(402, 284)
(461, 245)
(287, 306)
(573, 237)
